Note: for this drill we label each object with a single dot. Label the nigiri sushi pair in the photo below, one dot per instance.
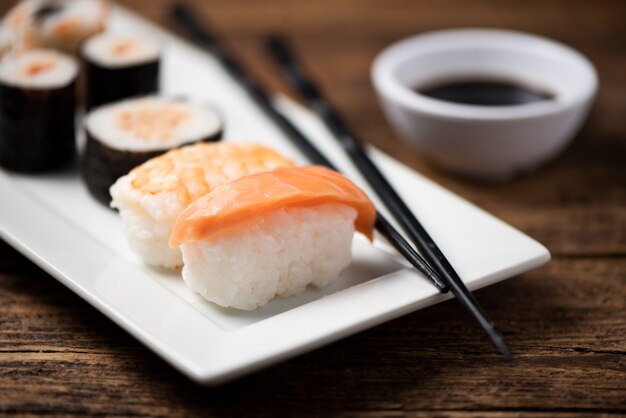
(248, 226)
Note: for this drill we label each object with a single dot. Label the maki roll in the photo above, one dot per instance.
(151, 196)
(271, 234)
(122, 135)
(57, 24)
(37, 105)
(118, 67)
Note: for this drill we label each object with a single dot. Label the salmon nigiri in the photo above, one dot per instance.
(271, 234)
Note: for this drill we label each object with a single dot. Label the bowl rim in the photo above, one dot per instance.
(389, 87)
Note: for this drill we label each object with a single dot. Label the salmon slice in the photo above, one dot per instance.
(232, 203)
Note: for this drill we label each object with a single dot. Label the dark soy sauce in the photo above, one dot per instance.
(485, 93)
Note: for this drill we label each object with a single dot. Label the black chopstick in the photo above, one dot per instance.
(282, 54)
(209, 42)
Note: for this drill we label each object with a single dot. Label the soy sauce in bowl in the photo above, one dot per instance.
(485, 92)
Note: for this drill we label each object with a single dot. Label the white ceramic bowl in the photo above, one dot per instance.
(493, 142)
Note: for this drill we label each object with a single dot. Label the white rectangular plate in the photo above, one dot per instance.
(54, 222)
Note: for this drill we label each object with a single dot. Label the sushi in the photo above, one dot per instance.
(271, 234)
(118, 67)
(122, 135)
(37, 105)
(151, 196)
(56, 24)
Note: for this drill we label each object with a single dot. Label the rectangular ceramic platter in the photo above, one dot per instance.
(54, 222)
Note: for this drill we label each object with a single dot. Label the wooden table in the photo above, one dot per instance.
(566, 322)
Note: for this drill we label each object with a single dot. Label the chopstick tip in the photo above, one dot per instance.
(504, 349)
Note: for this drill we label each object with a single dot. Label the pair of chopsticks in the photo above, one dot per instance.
(209, 42)
(354, 149)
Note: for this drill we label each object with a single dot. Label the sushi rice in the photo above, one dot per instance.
(38, 69)
(276, 255)
(114, 50)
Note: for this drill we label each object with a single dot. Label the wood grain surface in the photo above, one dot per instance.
(566, 322)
